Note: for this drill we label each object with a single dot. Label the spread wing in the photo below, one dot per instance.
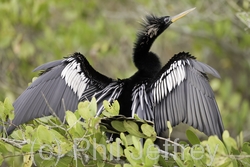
(180, 93)
(60, 87)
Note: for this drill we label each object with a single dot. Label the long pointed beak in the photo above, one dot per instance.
(177, 17)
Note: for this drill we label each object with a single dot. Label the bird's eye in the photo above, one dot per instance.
(166, 19)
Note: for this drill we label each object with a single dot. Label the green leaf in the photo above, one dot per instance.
(229, 141)
(105, 129)
(197, 155)
(133, 128)
(192, 138)
(6, 110)
(77, 163)
(29, 131)
(101, 150)
(8, 104)
(246, 147)
(148, 130)
(115, 149)
(129, 158)
(118, 165)
(133, 155)
(124, 139)
(150, 153)
(65, 161)
(61, 148)
(32, 147)
(49, 162)
(240, 139)
(94, 149)
(162, 162)
(215, 147)
(74, 124)
(136, 142)
(129, 139)
(93, 107)
(244, 159)
(118, 125)
(170, 128)
(17, 134)
(187, 155)
(137, 117)
(100, 163)
(71, 118)
(116, 107)
(98, 136)
(107, 106)
(9, 147)
(43, 134)
(112, 110)
(106, 114)
(179, 162)
(27, 161)
(83, 110)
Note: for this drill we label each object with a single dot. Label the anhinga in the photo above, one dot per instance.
(177, 92)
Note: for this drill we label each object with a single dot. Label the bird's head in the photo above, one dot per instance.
(154, 26)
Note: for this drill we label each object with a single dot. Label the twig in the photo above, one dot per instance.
(170, 141)
(15, 143)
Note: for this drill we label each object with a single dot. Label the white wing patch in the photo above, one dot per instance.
(74, 77)
(141, 104)
(138, 92)
(110, 93)
(169, 80)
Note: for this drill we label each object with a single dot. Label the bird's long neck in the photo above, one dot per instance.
(142, 46)
(146, 61)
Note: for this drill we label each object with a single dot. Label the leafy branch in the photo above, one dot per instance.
(113, 140)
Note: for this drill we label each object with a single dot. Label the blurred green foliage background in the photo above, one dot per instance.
(217, 33)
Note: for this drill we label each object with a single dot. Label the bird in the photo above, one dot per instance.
(177, 92)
